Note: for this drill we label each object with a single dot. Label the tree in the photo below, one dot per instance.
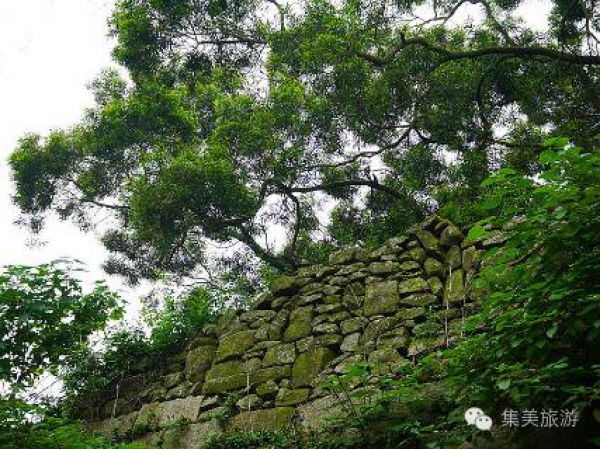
(45, 317)
(248, 114)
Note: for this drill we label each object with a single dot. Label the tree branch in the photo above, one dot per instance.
(516, 52)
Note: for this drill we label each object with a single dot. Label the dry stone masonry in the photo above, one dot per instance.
(262, 368)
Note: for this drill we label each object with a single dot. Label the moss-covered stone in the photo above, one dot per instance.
(284, 286)
(225, 377)
(305, 344)
(283, 354)
(417, 254)
(342, 256)
(300, 324)
(419, 299)
(278, 418)
(381, 298)
(326, 328)
(434, 267)
(413, 285)
(234, 344)
(385, 355)
(198, 362)
(267, 390)
(455, 290)
(454, 257)
(451, 235)
(382, 268)
(332, 299)
(379, 327)
(328, 340)
(292, 397)
(249, 402)
(430, 243)
(421, 345)
(471, 259)
(350, 343)
(309, 364)
(436, 286)
(410, 314)
(353, 325)
(275, 373)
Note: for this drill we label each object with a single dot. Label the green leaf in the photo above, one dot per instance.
(552, 330)
(475, 233)
(503, 384)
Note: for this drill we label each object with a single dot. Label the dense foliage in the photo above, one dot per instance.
(44, 318)
(340, 122)
(533, 344)
(162, 333)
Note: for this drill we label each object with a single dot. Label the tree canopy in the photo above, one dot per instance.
(342, 122)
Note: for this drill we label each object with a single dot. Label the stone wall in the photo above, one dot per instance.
(262, 368)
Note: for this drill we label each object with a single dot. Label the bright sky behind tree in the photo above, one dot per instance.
(49, 51)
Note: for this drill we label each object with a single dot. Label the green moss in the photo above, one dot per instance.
(234, 344)
(309, 364)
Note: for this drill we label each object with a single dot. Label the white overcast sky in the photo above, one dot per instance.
(49, 51)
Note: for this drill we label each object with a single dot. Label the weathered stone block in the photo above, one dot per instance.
(410, 314)
(291, 397)
(326, 328)
(309, 364)
(300, 324)
(342, 256)
(280, 355)
(278, 418)
(353, 325)
(417, 254)
(381, 298)
(180, 391)
(305, 344)
(351, 342)
(413, 285)
(383, 268)
(430, 243)
(234, 344)
(312, 414)
(267, 390)
(385, 355)
(191, 436)
(170, 380)
(436, 286)
(328, 340)
(249, 402)
(433, 267)
(454, 257)
(284, 286)
(454, 290)
(198, 362)
(420, 345)
(177, 409)
(419, 299)
(451, 235)
(379, 327)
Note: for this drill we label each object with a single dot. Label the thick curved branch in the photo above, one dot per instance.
(448, 55)
(283, 264)
(372, 183)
